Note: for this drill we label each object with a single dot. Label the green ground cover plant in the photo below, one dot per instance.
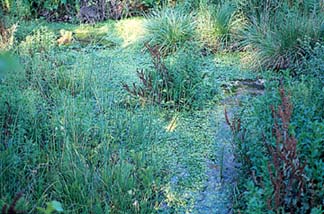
(269, 136)
(127, 116)
(69, 134)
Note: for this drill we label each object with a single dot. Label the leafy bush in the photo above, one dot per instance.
(18, 8)
(169, 29)
(287, 176)
(52, 10)
(175, 81)
(313, 65)
(67, 10)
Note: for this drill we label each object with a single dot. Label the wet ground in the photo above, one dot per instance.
(216, 197)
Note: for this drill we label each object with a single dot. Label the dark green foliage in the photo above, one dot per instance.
(52, 10)
(269, 165)
(67, 10)
(313, 65)
(11, 209)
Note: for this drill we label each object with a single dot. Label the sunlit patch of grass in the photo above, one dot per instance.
(110, 33)
(103, 34)
(130, 30)
(66, 37)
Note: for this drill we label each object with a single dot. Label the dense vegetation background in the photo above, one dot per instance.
(111, 106)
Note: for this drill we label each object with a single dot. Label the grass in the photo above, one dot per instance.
(170, 29)
(283, 43)
(71, 133)
(218, 25)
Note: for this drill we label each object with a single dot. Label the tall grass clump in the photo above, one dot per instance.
(279, 34)
(218, 24)
(169, 29)
(281, 40)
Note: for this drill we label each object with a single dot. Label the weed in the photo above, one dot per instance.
(152, 87)
(235, 125)
(286, 170)
(280, 152)
(176, 81)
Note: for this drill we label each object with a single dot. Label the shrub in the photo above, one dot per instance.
(53, 10)
(20, 9)
(281, 150)
(175, 81)
(313, 65)
(169, 30)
